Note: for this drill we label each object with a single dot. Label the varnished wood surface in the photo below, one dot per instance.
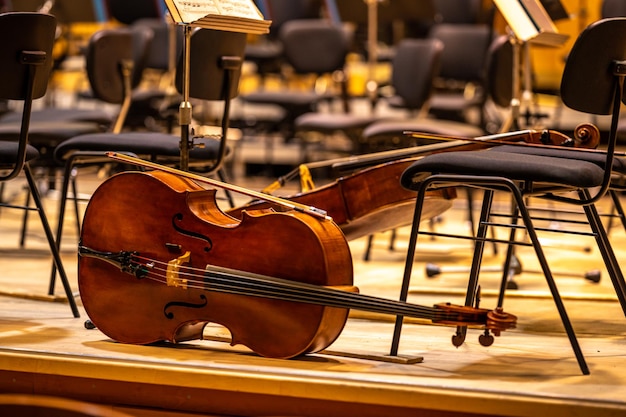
(529, 371)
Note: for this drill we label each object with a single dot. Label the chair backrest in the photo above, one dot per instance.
(208, 75)
(127, 12)
(107, 53)
(158, 54)
(593, 80)
(457, 11)
(613, 8)
(464, 50)
(499, 71)
(314, 46)
(25, 64)
(282, 11)
(589, 79)
(414, 67)
(25, 32)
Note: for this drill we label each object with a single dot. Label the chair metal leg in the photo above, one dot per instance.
(479, 249)
(617, 206)
(606, 250)
(24, 221)
(51, 242)
(491, 183)
(408, 267)
(532, 235)
(76, 209)
(62, 202)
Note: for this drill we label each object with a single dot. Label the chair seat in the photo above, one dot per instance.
(62, 115)
(263, 51)
(139, 143)
(330, 122)
(434, 126)
(48, 133)
(516, 167)
(8, 152)
(287, 99)
(619, 164)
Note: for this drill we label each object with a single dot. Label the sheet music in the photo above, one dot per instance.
(195, 9)
(228, 15)
(239, 8)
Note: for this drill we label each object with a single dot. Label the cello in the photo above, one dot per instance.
(158, 260)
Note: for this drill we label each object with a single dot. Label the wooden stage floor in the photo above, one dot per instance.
(529, 371)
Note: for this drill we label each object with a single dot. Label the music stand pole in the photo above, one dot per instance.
(372, 50)
(515, 96)
(185, 113)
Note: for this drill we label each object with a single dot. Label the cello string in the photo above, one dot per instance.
(438, 313)
(295, 291)
(265, 286)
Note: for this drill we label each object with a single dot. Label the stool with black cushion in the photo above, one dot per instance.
(215, 65)
(592, 82)
(25, 64)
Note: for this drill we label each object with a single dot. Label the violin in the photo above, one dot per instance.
(158, 260)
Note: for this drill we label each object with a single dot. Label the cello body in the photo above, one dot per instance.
(160, 216)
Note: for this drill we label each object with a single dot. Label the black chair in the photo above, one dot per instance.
(25, 64)
(414, 66)
(592, 82)
(267, 51)
(51, 126)
(215, 64)
(312, 47)
(459, 11)
(612, 8)
(390, 133)
(151, 108)
(129, 12)
(154, 105)
(459, 87)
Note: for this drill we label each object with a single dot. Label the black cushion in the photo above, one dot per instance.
(61, 115)
(287, 99)
(514, 166)
(330, 122)
(48, 133)
(598, 158)
(8, 153)
(139, 143)
(433, 126)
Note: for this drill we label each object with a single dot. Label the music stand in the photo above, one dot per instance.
(212, 60)
(529, 23)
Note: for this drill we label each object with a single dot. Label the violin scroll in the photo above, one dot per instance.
(587, 135)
